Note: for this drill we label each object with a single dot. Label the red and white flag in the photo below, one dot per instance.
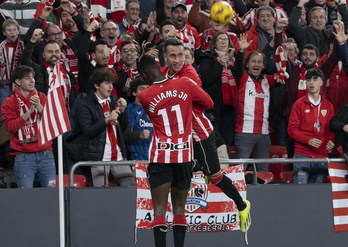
(207, 208)
(55, 119)
(337, 172)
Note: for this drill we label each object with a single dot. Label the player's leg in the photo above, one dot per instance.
(180, 187)
(206, 154)
(159, 200)
(160, 179)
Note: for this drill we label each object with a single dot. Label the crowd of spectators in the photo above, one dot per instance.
(254, 68)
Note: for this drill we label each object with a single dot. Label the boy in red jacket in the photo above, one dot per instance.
(21, 113)
(309, 126)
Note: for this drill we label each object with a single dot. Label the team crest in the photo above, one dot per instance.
(196, 197)
(323, 112)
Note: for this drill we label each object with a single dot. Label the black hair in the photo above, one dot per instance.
(314, 73)
(137, 82)
(98, 76)
(146, 63)
(173, 42)
(21, 71)
(165, 23)
(311, 47)
(96, 43)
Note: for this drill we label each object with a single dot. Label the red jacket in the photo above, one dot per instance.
(301, 126)
(13, 122)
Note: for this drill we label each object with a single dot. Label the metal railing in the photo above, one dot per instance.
(229, 161)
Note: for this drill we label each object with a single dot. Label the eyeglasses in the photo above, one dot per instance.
(54, 34)
(222, 40)
(127, 50)
(110, 29)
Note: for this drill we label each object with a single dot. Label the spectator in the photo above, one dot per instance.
(207, 35)
(51, 54)
(317, 33)
(329, 7)
(267, 35)
(186, 33)
(167, 30)
(132, 20)
(10, 50)
(309, 126)
(249, 18)
(141, 126)
(252, 132)
(22, 12)
(110, 32)
(68, 47)
(218, 81)
(163, 10)
(102, 139)
(126, 69)
(170, 168)
(339, 125)
(32, 159)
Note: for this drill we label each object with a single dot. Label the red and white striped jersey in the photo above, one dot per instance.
(201, 125)
(115, 55)
(249, 18)
(253, 104)
(190, 37)
(168, 103)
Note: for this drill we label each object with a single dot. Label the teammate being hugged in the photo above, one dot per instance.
(169, 106)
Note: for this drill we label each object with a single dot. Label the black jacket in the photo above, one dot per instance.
(337, 124)
(92, 126)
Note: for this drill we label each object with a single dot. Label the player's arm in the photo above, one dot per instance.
(200, 97)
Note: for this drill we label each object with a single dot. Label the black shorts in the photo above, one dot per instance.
(179, 174)
(205, 153)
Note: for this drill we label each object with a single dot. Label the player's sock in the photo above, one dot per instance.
(179, 230)
(226, 185)
(160, 231)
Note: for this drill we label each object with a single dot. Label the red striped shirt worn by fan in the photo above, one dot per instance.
(253, 104)
(201, 125)
(249, 18)
(168, 103)
(190, 37)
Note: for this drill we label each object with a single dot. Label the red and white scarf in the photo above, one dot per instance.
(113, 152)
(9, 59)
(302, 86)
(69, 62)
(131, 74)
(228, 87)
(130, 28)
(280, 61)
(28, 132)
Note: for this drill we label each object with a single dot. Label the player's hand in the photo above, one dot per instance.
(145, 134)
(314, 142)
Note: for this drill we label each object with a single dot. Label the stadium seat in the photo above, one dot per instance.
(79, 180)
(276, 169)
(287, 176)
(265, 176)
